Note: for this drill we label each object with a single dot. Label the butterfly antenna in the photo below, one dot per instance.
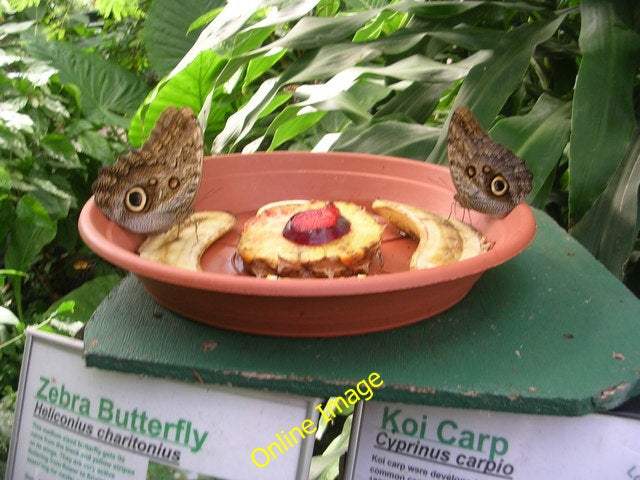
(451, 209)
(464, 213)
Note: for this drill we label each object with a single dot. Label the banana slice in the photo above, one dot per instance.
(184, 243)
(473, 243)
(440, 241)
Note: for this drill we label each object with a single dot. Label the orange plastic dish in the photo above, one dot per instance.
(223, 297)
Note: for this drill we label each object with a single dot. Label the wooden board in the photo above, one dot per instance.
(551, 331)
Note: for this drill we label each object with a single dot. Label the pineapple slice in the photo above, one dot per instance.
(265, 251)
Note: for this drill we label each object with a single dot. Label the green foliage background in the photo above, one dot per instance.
(556, 81)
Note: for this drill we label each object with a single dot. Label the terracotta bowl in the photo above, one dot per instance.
(222, 296)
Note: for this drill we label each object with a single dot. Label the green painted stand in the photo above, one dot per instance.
(550, 331)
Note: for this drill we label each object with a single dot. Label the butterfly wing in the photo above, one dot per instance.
(488, 177)
(151, 188)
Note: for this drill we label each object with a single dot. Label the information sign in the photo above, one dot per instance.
(75, 422)
(413, 442)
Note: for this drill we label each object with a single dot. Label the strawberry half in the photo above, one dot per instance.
(318, 226)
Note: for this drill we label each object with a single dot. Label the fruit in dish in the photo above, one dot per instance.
(310, 239)
(440, 240)
(185, 242)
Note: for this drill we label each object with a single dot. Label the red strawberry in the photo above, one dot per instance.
(315, 227)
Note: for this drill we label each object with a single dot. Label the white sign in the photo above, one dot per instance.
(75, 422)
(412, 442)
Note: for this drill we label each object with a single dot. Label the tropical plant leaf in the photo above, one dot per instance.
(93, 144)
(15, 120)
(416, 102)
(86, 299)
(53, 194)
(299, 122)
(7, 317)
(229, 21)
(183, 89)
(314, 32)
(489, 84)
(414, 68)
(109, 93)
(610, 228)
(166, 30)
(14, 142)
(59, 148)
(445, 10)
(240, 123)
(389, 137)
(422, 69)
(327, 465)
(32, 230)
(287, 11)
(327, 8)
(258, 66)
(603, 118)
(385, 23)
(5, 182)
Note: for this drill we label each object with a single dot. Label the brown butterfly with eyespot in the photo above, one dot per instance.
(488, 177)
(153, 187)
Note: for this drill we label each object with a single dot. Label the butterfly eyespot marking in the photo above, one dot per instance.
(153, 181)
(499, 186)
(486, 169)
(173, 183)
(471, 171)
(135, 199)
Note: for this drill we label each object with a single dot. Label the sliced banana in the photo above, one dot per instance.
(440, 241)
(184, 243)
(473, 243)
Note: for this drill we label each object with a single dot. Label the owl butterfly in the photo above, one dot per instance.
(151, 188)
(488, 177)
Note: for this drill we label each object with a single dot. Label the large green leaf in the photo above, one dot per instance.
(610, 229)
(445, 10)
(489, 84)
(242, 121)
(109, 94)
(86, 298)
(32, 230)
(233, 19)
(470, 37)
(166, 30)
(422, 69)
(314, 32)
(385, 23)
(190, 87)
(603, 117)
(285, 11)
(61, 151)
(389, 137)
(413, 68)
(298, 121)
(257, 67)
(333, 59)
(416, 102)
